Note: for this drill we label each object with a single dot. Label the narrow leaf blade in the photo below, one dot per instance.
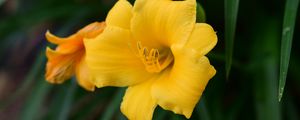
(114, 105)
(34, 101)
(290, 14)
(231, 11)
(202, 110)
(201, 17)
(68, 100)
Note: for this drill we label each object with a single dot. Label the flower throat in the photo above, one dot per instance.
(154, 62)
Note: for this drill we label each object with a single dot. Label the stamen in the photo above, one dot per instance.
(151, 59)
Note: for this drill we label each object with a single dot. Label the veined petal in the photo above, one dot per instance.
(112, 61)
(58, 40)
(68, 57)
(138, 103)
(159, 23)
(202, 39)
(92, 30)
(74, 42)
(65, 45)
(120, 15)
(60, 67)
(83, 76)
(182, 88)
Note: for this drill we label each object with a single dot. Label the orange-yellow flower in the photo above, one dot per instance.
(157, 49)
(69, 56)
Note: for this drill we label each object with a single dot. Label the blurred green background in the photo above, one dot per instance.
(249, 93)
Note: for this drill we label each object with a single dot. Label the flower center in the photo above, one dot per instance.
(154, 61)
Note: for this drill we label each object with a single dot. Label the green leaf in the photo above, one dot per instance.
(29, 79)
(177, 117)
(114, 105)
(202, 110)
(90, 103)
(200, 18)
(231, 11)
(68, 100)
(286, 41)
(159, 114)
(35, 100)
(265, 72)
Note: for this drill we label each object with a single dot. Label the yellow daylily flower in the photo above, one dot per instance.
(157, 49)
(69, 56)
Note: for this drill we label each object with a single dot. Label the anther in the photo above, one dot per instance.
(150, 59)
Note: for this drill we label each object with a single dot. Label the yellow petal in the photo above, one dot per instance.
(92, 30)
(120, 15)
(58, 40)
(66, 45)
(112, 61)
(182, 88)
(60, 67)
(68, 57)
(163, 22)
(83, 76)
(202, 39)
(51, 54)
(138, 103)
